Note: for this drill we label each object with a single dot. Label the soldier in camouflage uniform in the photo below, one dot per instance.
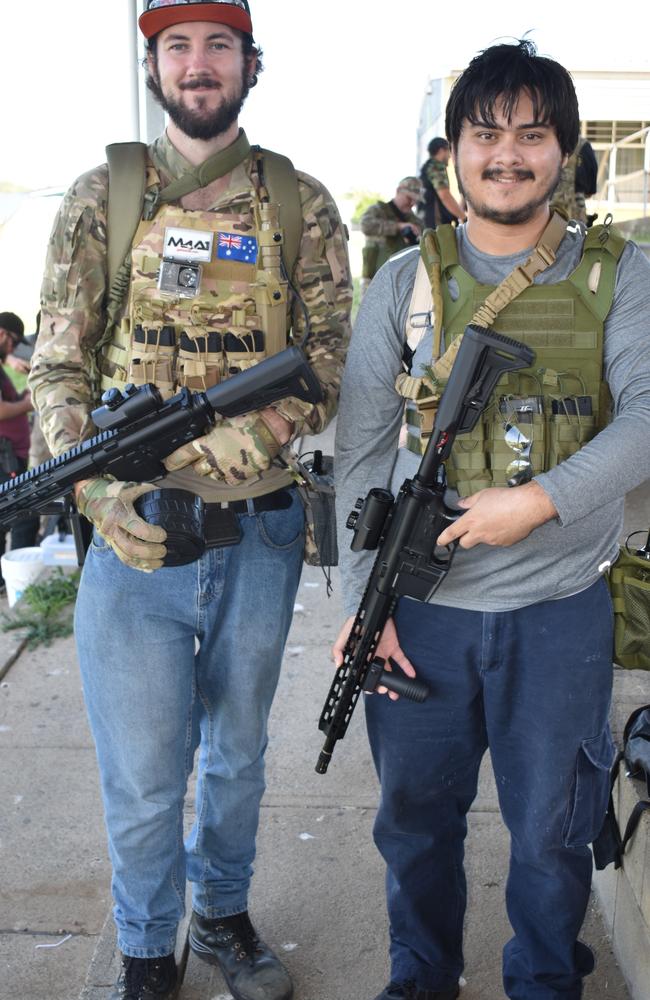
(568, 197)
(440, 206)
(177, 659)
(389, 226)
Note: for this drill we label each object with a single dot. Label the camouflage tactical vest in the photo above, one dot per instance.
(207, 297)
(564, 324)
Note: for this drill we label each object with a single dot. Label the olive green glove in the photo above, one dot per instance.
(109, 505)
(235, 450)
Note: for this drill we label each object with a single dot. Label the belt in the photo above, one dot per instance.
(278, 500)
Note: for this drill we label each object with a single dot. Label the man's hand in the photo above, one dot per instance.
(18, 364)
(109, 505)
(235, 450)
(388, 647)
(410, 227)
(500, 516)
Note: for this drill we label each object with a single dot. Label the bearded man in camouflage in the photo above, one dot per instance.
(202, 294)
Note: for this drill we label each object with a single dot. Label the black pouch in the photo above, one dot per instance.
(222, 527)
(316, 492)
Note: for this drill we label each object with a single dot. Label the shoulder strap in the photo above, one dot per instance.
(282, 183)
(633, 822)
(418, 317)
(126, 185)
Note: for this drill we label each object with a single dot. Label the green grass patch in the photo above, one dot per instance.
(44, 610)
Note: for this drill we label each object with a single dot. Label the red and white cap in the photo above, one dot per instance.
(161, 14)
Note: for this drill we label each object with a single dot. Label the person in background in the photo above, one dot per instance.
(578, 182)
(14, 425)
(389, 226)
(440, 206)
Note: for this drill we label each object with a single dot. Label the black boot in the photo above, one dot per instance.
(410, 991)
(146, 979)
(249, 967)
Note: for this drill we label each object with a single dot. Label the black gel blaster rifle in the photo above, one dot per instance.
(138, 429)
(409, 561)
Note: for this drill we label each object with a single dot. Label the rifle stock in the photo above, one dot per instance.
(138, 429)
(409, 561)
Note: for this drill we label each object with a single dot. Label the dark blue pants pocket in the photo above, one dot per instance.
(590, 796)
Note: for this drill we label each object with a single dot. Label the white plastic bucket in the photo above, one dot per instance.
(20, 567)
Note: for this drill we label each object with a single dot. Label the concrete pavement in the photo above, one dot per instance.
(318, 889)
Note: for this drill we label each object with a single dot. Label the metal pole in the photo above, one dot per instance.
(646, 171)
(132, 57)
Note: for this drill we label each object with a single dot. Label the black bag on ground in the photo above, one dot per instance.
(609, 847)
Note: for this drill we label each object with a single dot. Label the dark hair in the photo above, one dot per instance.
(249, 48)
(12, 324)
(437, 144)
(500, 74)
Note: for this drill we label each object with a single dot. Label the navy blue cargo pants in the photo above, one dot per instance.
(533, 685)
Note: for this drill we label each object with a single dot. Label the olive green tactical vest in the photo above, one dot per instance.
(564, 324)
(207, 297)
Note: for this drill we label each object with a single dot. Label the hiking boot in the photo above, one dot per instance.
(409, 991)
(249, 967)
(146, 979)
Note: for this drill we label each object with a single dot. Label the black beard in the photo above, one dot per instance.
(513, 217)
(196, 124)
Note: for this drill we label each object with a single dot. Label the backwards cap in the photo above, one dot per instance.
(162, 14)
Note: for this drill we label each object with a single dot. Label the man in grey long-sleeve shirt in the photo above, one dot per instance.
(516, 643)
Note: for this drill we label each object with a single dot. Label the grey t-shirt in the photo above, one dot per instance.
(560, 557)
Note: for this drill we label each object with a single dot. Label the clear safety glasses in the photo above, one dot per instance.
(520, 470)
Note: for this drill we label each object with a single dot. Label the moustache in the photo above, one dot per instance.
(197, 84)
(493, 173)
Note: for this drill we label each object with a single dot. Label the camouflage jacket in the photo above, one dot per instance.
(436, 174)
(73, 297)
(383, 220)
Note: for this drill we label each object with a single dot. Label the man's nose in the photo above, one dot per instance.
(197, 63)
(508, 151)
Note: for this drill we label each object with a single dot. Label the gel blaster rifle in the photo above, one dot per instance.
(138, 429)
(409, 561)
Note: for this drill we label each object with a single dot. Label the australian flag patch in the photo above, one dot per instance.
(232, 246)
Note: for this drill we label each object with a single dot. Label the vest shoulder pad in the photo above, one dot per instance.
(282, 182)
(595, 275)
(447, 247)
(126, 184)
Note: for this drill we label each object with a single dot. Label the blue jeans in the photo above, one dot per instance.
(535, 686)
(152, 701)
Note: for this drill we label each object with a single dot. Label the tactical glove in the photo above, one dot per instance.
(109, 505)
(235, 450)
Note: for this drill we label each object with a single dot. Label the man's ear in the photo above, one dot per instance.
(251, 69)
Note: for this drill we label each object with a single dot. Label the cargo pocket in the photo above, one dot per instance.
(590, 795)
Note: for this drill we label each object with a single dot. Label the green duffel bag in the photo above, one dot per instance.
(629, 583)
